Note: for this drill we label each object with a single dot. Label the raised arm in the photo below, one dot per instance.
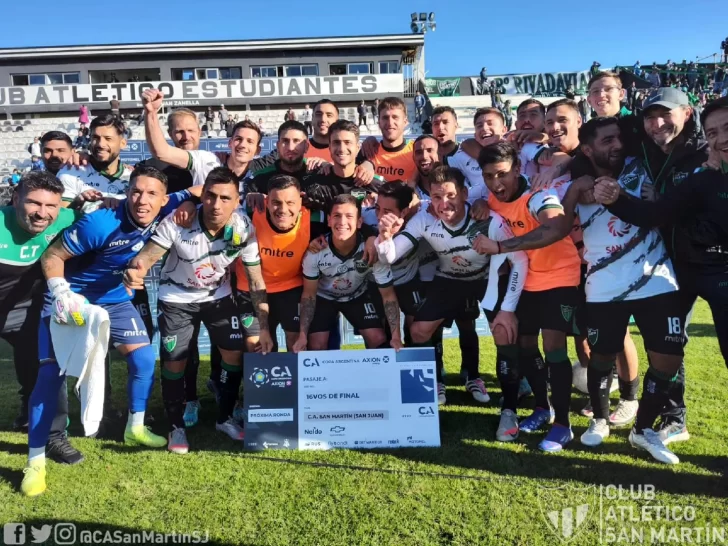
(158, 145)
(391, 248)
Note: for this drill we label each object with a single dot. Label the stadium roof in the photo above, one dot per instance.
(218, 46)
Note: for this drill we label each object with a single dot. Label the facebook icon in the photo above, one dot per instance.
(14, 533)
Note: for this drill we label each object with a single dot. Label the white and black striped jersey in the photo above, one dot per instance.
(453, 246)
(344, 278)
(422, 259)
(200, 163)
(471, 171)
(196, 267)
(78, 180)
(626, 262)
(528, 156)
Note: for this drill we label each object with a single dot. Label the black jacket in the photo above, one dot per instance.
(695, 213)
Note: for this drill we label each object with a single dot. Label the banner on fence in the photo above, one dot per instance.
(542, 84)
(442, 87)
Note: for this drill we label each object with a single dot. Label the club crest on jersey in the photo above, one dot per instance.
(630, 181)
(49, 238)
(678, 178)
(361, 266)
(474, 231)
(593, 335)
(169, 343)
(567, 311)
(137, 247)
(247, 319)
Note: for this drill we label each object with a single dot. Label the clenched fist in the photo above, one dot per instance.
(389, 226)
(152, 100)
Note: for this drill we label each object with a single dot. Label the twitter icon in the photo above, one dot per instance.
(40, 535)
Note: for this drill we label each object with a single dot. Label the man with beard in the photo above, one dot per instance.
(105, 174)
(697, 214)
(629, 274)
(549, 300)
(29, 226)
(670, 144)
(244, 146)
(283, 230)
(292, 146)
(184, 131)
(195, 287)
(562, 126)
(464, 276)
(56, 149)
(80, 267)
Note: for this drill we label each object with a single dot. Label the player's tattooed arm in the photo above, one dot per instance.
(260, 304)
(307, 310)
(555, 225)
(391, 312)
(257, 293)
(53, 259)
(139, 266)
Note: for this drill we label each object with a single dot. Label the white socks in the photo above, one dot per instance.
(36, 456)
(136, 418)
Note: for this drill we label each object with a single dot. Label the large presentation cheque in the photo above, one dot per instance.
(363, 399)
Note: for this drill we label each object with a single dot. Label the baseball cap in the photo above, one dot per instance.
(667, 97)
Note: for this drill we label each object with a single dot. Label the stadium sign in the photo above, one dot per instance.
(543, 84)
(205, 90)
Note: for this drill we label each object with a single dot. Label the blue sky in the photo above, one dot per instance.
(507, 37)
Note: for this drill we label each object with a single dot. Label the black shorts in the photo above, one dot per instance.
(451, 299)
(661, 321)
(410, 296)
(361, 313)
(178, 323)
(283, 310)
(503, 281)
(553, 309)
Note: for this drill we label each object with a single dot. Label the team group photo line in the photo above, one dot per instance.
(554, 224)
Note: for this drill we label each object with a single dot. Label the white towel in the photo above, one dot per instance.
(81, 352)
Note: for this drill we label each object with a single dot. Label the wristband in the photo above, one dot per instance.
(57, 285)
(499, 247)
